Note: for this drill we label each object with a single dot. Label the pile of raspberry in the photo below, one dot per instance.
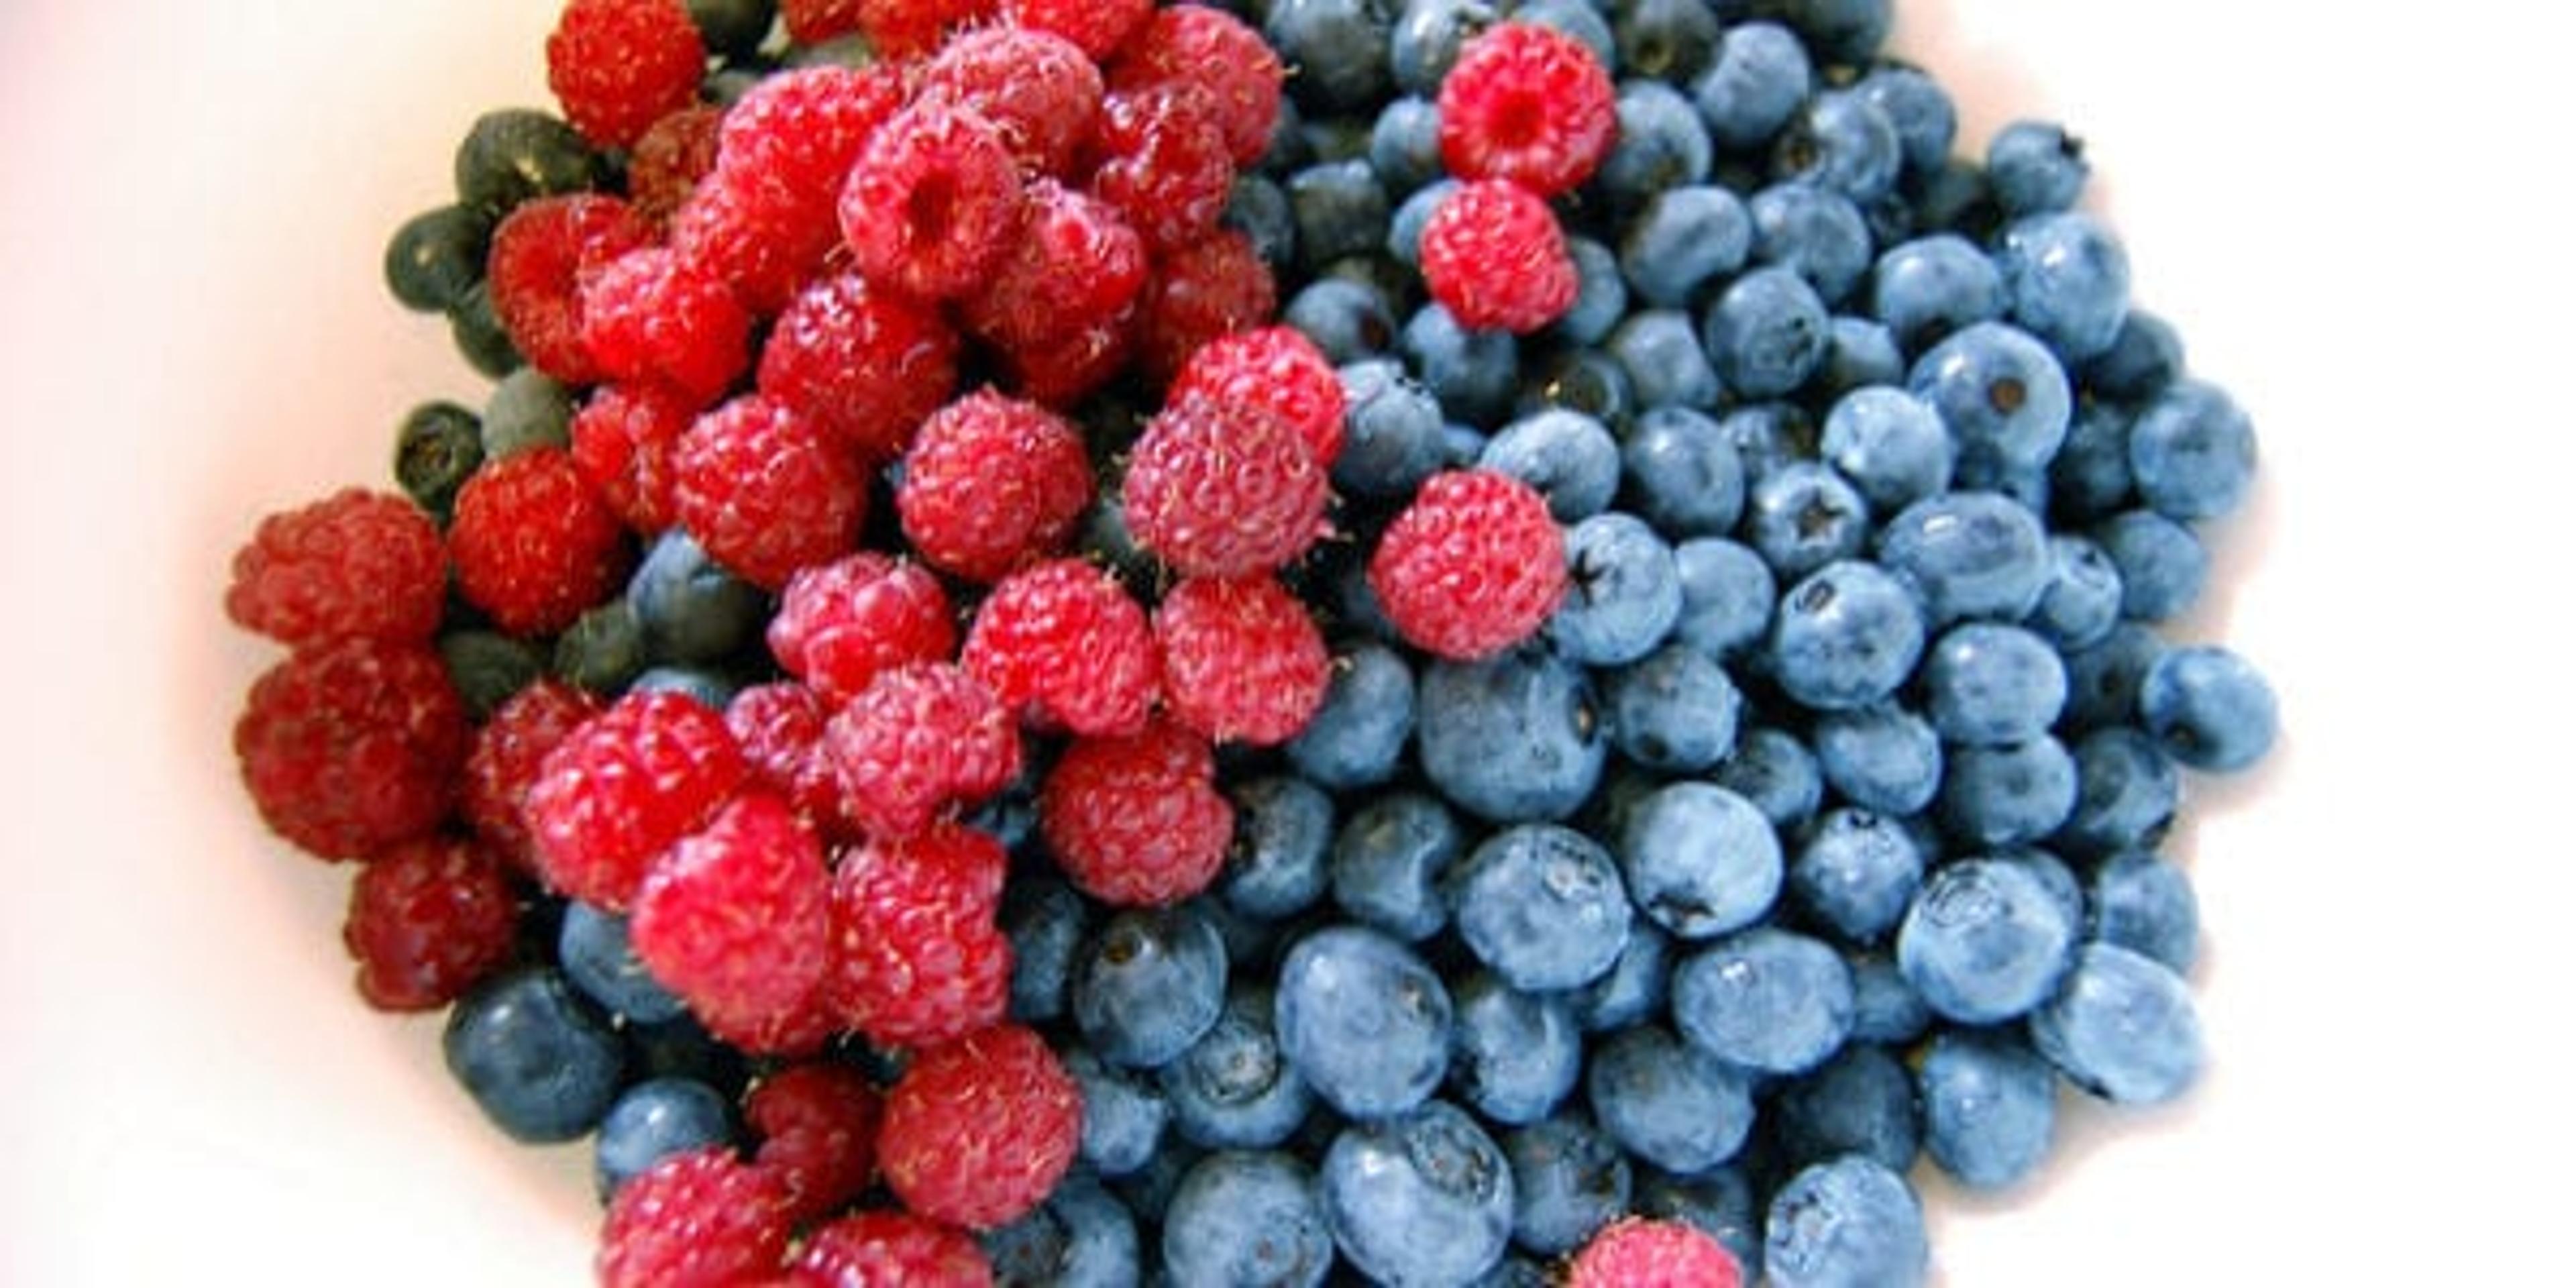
(953, 461)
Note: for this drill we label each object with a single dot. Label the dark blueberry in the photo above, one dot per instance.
(2209, 708)
(2145, 904)
(1674, 711)
(1150, 984)
(1700, 860)
(599, 958)
(1988, 685)
(2126, 791)
(1985, 941)
(436, 257)
(1803, 516)
(1515, 1055)
(1340, 209)
(1989, 1106)
(528, 409)
(1474, 373)
(2102, 680)
(1569, 457)
(1671, 40)
(655, 1119)
(1767, 333)
(1634, 988)
(2068, 278)
(514, 154)
(713, 689)
(1426, 1198)
(1081, 1237)
(2144, 360)
(733, 28)
(2122, 1027)
(2003, 395)
(1926, 120)
(1768, 435)
(1848, 1223)
(690, 609)
(1882, 758)
(1364, 1020)
(1841, 141)
(1760, 76)
(1718, 1203)
(1846, 31)
(1123, 1115)
(1357, 737)
(1859, 1102)
(683, 1048)
(540, 1063)
(2191, 453)
(1514, 738)
(1764, 999)
(1336, 50)
(1968, 554)
(1412, 215)
(1625, 594)
(1404, 146)
(1845, 637)
(1890, 445)
(1600, 295)
(1348, 320)
(1282, 826)
(1815, 232)
(1929, 287)
(1681, 473)
(1427, 36)
(1580, 19)
(2162, 564)
(439, 446)
(1857, 873)
(1659, 352)
(1885, 1008)
(1542, 906)
(1569, 1180)
(1586, 382)
(480, 338)
(1233, 1089)
(1388, 861)
(1668, 1102)
(1247, 1218)
(2084, 595)
(2035, 168)
(1685, 238)
(1287, 151)
(1662, 144)
(1727, 596)
(1148, 1190)
(1998, 796)
(1773, 769)
(1393, 427)
(488, 667)
(1957, 198)
(1259, 209)
(1859, 354)
(1047, 922)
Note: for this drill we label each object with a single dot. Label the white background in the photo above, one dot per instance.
(2353, 211)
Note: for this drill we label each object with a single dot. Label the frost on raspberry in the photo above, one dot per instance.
(817, 1124)
(427, 920)
(864, 364)
(1224, 489)
(1066, 648)
(1212, 288)
(1639, 1253)
(540, 253)
(358, 563)
(892, 1249)
(1473, 566)
(653, 317)
(1276, 368)
(1137, 821)
(991, 483)
(352, 747)
(1039, 90)
(1530, 104)
(1159, 155)
(840, 625)
(1242, 660)
(533, 544)
(1494, 255)
(623, 439)
(703, 1219)
(765, 493)
(734, 918)
(978, 1131)
(617, 66)
(933, 203)
(618, 791)
(508, 754)
(916, 955)
(920, 741)
(1076, 264)
(677, 152)
(1214, 50)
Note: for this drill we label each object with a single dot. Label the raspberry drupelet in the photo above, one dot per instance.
(533, 544)
(1222, 489)
(978, 1131)
(803, 128)
(992, 482)
(1137, 821)
(1530, 104)
(864, 364)
(427, 920)
(677, 152)
(619, 790)
(765, 493)
(508, 754)
(735, 918)
(1065, 647)
(842, 624)
(358, 563)
(617, 66)
(1097, 27)
(1494, 255)
(916, 956)
(1242, 659)
(352, 747)
(1473, 566)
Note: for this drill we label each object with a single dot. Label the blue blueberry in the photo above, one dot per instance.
(2068, 278)
(1848, 1223)
(541, 1065)
(1674, 711)
(1670, 40)
(1760, 76)
(2089, 480)
(1659, 353)
(1542, 906)
(1392, 432)
(1684, 238)
(1718, 1203)
(1147, 1191)
(1989, 1106)
(1340, 209)
(1474, 373)
(733, 29)
(1769, 435)
(1336, 51)
(1840, 140)
(1728, 593)
(1929, 287)
(2102, 680)
(1985, 941)
(1990, 685)
(1357, 737)
(1860, 1102)
(1883, 758)
(1364, 1020)
(1681, 472)
(1081, 1237)
(1568, 1180)
(1347, 320)
(1426, 38)
(512, 155)
(599, 958)
(1803, 516)
(2209, 708)
(1585, 382)
(2162, 564)
(1700, 860)
(1514, 738)
(1282, 826)
(1124, 1115)
(2035, 168)
(1661, 144)
(1926, 119)
(2144, 360)
(1668, 1102)
(1968, 555)
(1890, 445)
(1425, 1198)
(1773, 769)
(436, 257)
(2122, 1027)
(2001, 796)
(712, 689)
(1570, 458)
(1259, 209)
(1861, 353)
(1634, 988)
(1600, 294)
(2191, 453)
(1389, 860)
(1857, 873)
(1404, 146)
(2002, 393)
(1233, 1089)
(1244, 1218)
(1580, 19)
(1816, 232)
(2145, 904)
(1149, 984)
(2084, 595)
(1624, 594)
(1767, 333)
(1047, 923)
(2054, 876)
(1845, 637)
(1885, 1008)
(1764, 999)
(691, 609)
(654, 1120)
(2126, 792)
(1412, 215)
(1514, 1055)
(488, 668)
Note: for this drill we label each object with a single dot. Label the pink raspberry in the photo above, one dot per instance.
(1099, 27)
(933, 203)
(617, 66)
(889, 1250)
(1039, 90)
(1224, 489)
(798, 1033)
(780, 728)
(1495, 257)
(817, 1125)
(1060, 372)
(735, 919)
(1076, 263)
(765, 237)
(533, 544)
(1159, 155)
(702, 1219)
(652, 317)
(622, 440)
(1137, 821)
(618, 791)
(509, 754)
(865, 365)
(1530, 104)
(916, 954)
(669, 161)
(352, 747)
(1473, 566)
(357, 563)
(1064, 646)
(765, 493)
(803, 128)
(1214, 50)
(1217, 287)
(1637, 1253)
(1276, 368)
(840, 625)
(540, 253)
(991, 483)
(978, 1131)
(1242, 660)
(427, 920)
(920, 740)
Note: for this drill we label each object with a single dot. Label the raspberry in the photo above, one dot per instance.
(763, 236)
(1137, 821)
(540, 254)
(919, 740)
(1076, 263)
(764, 493)
(621, 789)
(1653, 1254)
(1276, 368)
(652, 317)
(1059, 372)
(509, 753)
(1214, 50)
(358, 563)
(803, 128)
(427, 920)
(1242, 662)
(916, 955)
(840, 625)
(911, 28)
(1473, 566)
(735, 919)
(1098, 27)
(780, 729)
(1158, 154)
(933, 203)
(865, 365)
(617, 66)
(352, 747)
(623, 439)
(669, 161)
(1039, 91)
(1530, 104)
(890, 1250)
(811, 22)
(798, 1033)
(1217, 287)
(992, 483)
(1224, 489)
(703, 1219)
(1494, 256)
(818, 1135)
(1064, 646)
(533, 544)
(977, 1132)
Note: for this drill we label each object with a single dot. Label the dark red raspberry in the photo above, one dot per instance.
(1217, 287)
(918, 741)
(1039, 90)
(1137, 821)
(669, 161)
(652, 317)
(1064, 646)
(933, 203)
(1159, 155)
(916, 954)
(842, 624)
(1277, 368)
(1242, 660)
(617, 66)
(780, 728)
(1062, 371)
(991, 483)
(509, 753)
(623, 439)
(357, 563)
(532, 543)
(1530, 104)
(978, 1131)
(865, 365)
(765, 493)
(1637, 1253)
(1224, 489)
(1215, 51)
(889, 1250)
(539, 256)
(803, 128)
(1494, 256)
(764, 236)
(1099, 27)
(618, 791)
(352, 747)
(1076, 263)
(427, 920)
(817, 1125)
(703, 1219)
(1473, 566)
(811, 22)
(735, 918)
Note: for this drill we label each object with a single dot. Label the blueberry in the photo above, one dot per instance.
(527, 410)
(2068, 278)
(1968, 555)
(438, 447)
(1659, 353)
(2127, 790)
(436, 257)
(538, 1061)
(1859, 354)
(2209, 708)
(514, 154)
(1815, 232)
(1340, 209)
(1985, 941)
(1857, 873)
(2084, 595)
(1885, 1008)
(1668, 1102)
(1392, 439)
(2191, 453)
(1147, 1192)
(2144, 360)
(1047, 923)
(1803, 516)
(1840, 140)
(691, 609)
(1883, 758)
(1233, 1089)
(1767, 333)
(603, 650)
(1336, 51)
(1404, 146)
(1625, 594)
(1427, 36)
(1764, 999)
(1674, 710)
(1514, 738)
(1542, 906)
(1680, 472)
(1081, 1237)
(1123, 1115)
(480, 338)
(1760, 76)
(1388, 861)
(733, 28)
(2035, 168)
(1570, 458)
(1282, 826)
(1988, 685)
(1700, 860)
(1149, 984)
(599, 958)
(1848, 1223)
(1769, 435)
(1773, 769)
(1671, 40)
(2163, 566)
(1580, 19)
(1585, 382)
(2089, 479)
(1515, 1272)
(1727, 596)
(712, 689)
(1860, 1102)
(1600, 296)
(1259, 209)
(1662, 144)
(1956, 197)
(488, 668)
(2102, 680)
(1568, 1181)
(1633, 989)
(1412, 215)
(1929, 287)
(2122, 1027)
(654, 1120)
(1926, 120)
(1247, 1218)
(1989, 1106)
(2003, 395)
(1425, 1198)
(1998, 796)
(1890, 445)
(2145, 904)
(1357, 737)
(683, 1048)
(1364, 1020)
(1474, 373)
(1349, 321)
(1845, 637)
(1515, 1055)
(1682, 239)
(1718, 1203)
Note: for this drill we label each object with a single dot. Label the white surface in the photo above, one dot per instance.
(2341, 213)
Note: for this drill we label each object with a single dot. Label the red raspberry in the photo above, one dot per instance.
(1039, 90)
(978, 1132)
(909, 28)
(803, 128)
(617, 66)
(1530, 104)
(865, 365)
(1242, 661)
(1473, 566)
(1217, 287)
(533, 543)
(1638, 1253)
(818, 1135)
(916, 955)
(933, 203)
(1099, 27)
(1494, 256)
(1277, 368)
(1061, 371)
(1215, 51)
(352, 747)
(623, 439)
(840, 625)
(358, 563)
(1224, 489)
(669, 161)
(780, 728)
(1137, 821)
(1064, 646)
(735, 919)
(763, 236)
(765, 493)
(919, 740)
(811, 22)
(620, 790)
(889, 1250)
(652, 317)
(798, 1033)
(1075, 264)
(992, 483)
(1159, 155)
(508, 755)
(703, 1219)
(427, 919)
(540, 254)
